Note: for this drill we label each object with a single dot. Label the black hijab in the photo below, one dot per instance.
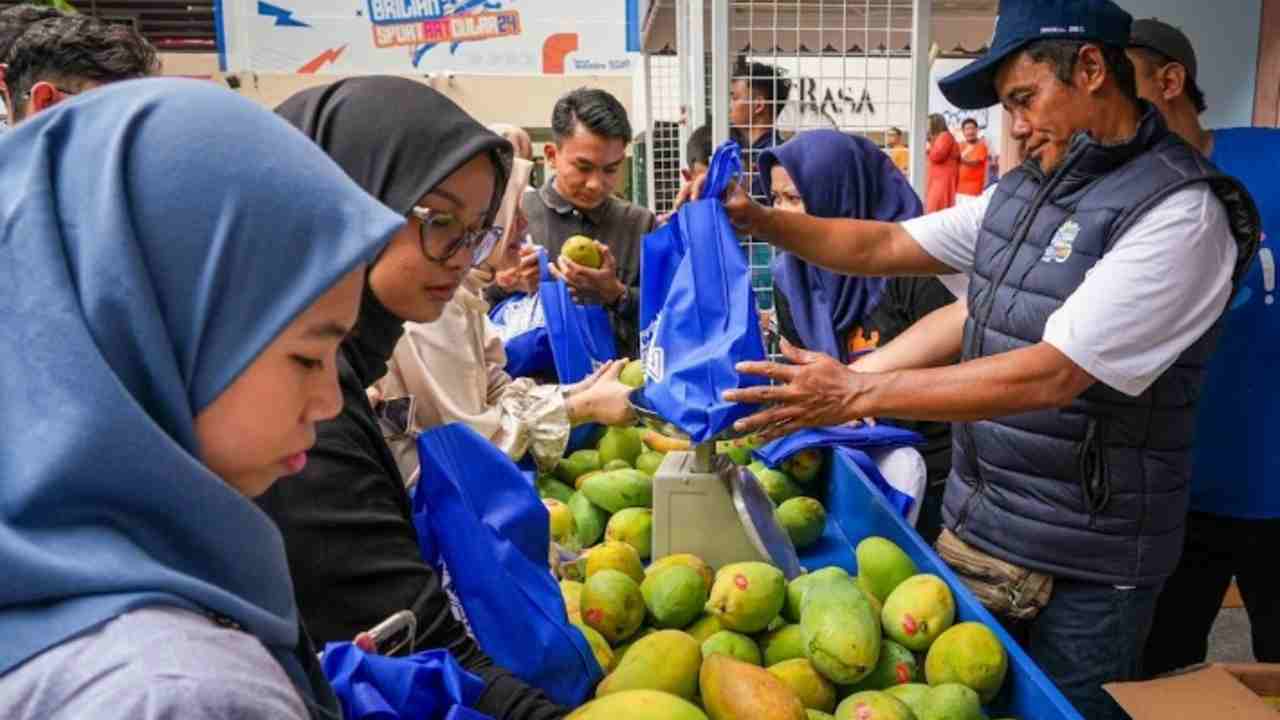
(397, 139)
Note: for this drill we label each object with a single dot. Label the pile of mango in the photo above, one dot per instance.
(679, 642)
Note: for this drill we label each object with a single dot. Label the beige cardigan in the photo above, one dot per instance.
(454, 369)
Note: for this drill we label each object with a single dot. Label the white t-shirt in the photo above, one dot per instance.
(1162, 285)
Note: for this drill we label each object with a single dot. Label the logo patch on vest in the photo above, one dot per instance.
(1059, 248)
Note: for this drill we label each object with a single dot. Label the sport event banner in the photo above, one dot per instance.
(478, 37)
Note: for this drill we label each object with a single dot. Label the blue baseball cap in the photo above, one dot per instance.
(1022, 22)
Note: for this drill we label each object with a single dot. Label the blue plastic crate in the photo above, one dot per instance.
(855, 510)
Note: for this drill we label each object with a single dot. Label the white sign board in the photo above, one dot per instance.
(477, 37)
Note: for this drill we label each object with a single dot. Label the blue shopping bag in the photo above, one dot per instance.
(426, 686)
(698, 314)
(479, 518)
(548, 331)
(849, 442)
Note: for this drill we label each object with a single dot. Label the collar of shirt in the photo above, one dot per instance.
(770, 139)
(556, 202)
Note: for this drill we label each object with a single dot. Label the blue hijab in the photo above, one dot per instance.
(155, 237)
(839, 176)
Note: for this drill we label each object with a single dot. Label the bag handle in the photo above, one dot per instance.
(726, 165)
(544, 272)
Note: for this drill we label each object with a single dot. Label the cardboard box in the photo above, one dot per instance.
(1204, 691)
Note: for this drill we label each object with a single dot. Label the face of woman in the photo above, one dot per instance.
(260, 428)
(406, 280)
(786, 196)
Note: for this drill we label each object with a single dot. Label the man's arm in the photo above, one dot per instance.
(819, 391)
(852, 247)
(935, 340)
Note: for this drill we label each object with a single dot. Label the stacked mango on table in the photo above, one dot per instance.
(678, 641)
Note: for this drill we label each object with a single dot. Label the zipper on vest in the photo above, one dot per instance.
(1095, 478)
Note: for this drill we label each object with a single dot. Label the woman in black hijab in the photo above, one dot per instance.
(345, 516)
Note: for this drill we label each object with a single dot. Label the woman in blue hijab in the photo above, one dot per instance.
(172, 315)
(828, 174)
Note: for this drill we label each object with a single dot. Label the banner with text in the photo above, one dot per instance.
(478, 37)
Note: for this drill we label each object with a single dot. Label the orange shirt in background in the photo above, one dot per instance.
(973, 178)
(901, 157)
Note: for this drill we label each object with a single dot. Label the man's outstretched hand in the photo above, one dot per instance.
(745, 214)
(816, 390)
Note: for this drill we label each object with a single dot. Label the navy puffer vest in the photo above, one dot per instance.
(1096, 490)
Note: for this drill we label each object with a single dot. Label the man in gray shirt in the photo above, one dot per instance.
(591, 134)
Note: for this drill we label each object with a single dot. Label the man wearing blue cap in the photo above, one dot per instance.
(1097, 274)
(1234, 525)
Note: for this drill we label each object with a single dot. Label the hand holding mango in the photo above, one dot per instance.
(590, 270)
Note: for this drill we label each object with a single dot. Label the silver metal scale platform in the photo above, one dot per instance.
(706, 505)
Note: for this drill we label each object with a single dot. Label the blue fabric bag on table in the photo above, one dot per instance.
(698, 314)
(425, 686)
(849, 442)
(550, 332)
(480, 517)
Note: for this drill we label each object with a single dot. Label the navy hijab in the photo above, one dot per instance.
(839, 176)
(155, 237)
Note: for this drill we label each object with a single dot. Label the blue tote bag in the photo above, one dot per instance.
(426, 686)
(480, 519)
(549, 331)
(698, 314)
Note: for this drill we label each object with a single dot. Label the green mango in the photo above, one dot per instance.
(911, 694)
(896, 666)
(971, 655)
(815, 691)
(620, 443)
(638, 705)
(748, 596)
(633, 526)
(619, 490)
(735, 645)
(667, 660)
(777, 485)
(841, 632)
(704, 627)
(599, 646)
(804, 519)
(919, 610)
(804, 466)
(649, 461)
(612, 604)
(951, 702)
(577, 463)
(590, 520)
(796, 588)
(616, 465)
(674, 596)
(873, 705)
(632, 374)
(550, 487)
(785, 643)
(882, 566)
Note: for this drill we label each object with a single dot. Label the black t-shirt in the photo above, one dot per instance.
(905, 301)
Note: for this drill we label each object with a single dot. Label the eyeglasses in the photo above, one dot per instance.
(439, 225)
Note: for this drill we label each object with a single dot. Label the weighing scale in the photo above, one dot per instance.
(706, 505)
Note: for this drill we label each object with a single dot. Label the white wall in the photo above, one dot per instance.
(1225, 36)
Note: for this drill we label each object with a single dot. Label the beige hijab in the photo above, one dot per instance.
(507, 252)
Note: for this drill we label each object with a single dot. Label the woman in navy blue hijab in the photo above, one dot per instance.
(828, 174)
(172, 313)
